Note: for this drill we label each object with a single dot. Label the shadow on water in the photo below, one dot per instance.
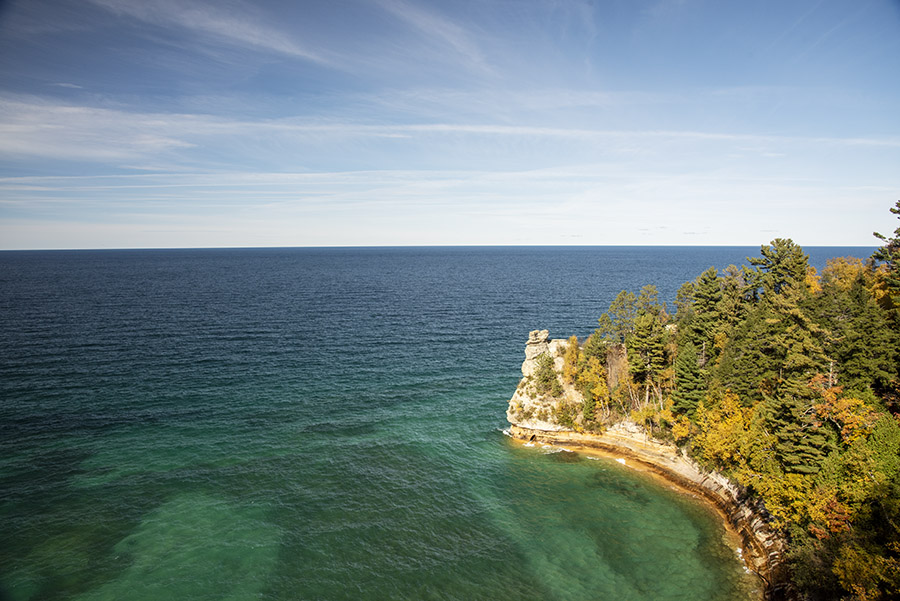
(617, 484)
(565, 457)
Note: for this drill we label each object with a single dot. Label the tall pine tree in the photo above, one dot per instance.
(860, 339)
(689, 382)
(646, 342)
(889, 255)
(706, 323)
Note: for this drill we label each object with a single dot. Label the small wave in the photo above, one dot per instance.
(528, 444)
(621, 460)
(740, 555)
(506, 432)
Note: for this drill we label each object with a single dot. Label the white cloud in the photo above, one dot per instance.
(34, 128)
(436, 27)
(238, 26)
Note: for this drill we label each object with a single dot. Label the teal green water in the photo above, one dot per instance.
(385, 513)
(325, 425)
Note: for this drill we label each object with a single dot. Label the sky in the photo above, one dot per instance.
(227, 123)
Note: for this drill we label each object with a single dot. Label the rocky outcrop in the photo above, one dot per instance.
(529, 408)
(536, 346)
(532, 419)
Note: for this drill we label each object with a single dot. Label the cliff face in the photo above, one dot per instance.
(533, 417)
(529, 408)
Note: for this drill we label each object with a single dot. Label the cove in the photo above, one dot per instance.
(593, 528)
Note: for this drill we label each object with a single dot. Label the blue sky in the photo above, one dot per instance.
(183, 123)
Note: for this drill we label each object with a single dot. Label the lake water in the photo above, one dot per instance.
(323, 424)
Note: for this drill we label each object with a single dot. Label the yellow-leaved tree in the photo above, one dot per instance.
(722, 430)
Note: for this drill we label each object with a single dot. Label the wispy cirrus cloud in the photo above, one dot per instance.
(433, 26)
(32, 127)
(239, 26)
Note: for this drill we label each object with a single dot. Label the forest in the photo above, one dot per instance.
(784, 379)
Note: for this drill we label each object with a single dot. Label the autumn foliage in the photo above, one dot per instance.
(786, 380)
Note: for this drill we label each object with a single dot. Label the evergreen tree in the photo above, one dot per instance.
(546, 382)
(749, 366)
(860, 338)
(802, 442)
(684, 303)
(689, 384)
(778, 341)
(783, 264)
(738, 295)
(889, 255)
(594, 346)
(646, 347)
(618, 321)
(795, 352)
(887, 292)
(738, 298)
(646, 342)
(707, 298)
(776, 352)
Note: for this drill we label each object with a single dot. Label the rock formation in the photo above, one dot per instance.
(528, 408)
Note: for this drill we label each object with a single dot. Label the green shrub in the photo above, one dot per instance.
(545, 380)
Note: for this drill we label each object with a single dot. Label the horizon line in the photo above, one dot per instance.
(418, 246)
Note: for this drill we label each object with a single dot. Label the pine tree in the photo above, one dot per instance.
(738, 299)
(618, 321)
(889, 254)
(684, 303)
(778, 341)
(860, 338)
(783, 264)
(646, 342)
(802, 442)
(706, 323)
(793, 339)
(689, 384)
(738, 294)
(749, 365)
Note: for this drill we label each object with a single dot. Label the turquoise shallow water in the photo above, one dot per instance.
(321, 424)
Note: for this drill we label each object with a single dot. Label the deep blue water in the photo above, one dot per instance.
(322, 424)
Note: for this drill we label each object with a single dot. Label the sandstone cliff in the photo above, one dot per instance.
(529, 408)
(533, 417)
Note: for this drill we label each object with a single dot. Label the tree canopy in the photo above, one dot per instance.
(787, 381)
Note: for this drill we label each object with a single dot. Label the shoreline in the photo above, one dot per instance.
(762, 548)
